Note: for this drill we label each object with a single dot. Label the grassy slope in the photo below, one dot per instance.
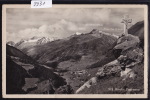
(102, 87)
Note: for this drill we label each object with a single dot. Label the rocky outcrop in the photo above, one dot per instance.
(130, 55)
(128, 73)
(111, 68)
(138, 30)
(127, 42)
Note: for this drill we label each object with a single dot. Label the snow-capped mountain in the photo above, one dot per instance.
(44, 40)
(26, 43)
(11, 43)
(78, 33)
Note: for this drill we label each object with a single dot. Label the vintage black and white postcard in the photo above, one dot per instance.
(75, 51)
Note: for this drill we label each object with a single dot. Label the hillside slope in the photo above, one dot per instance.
(15, 76)
(12, 51)
(73, 47)
(21, 69)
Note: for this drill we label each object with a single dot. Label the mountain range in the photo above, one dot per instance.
(27, 43)
(67, 64)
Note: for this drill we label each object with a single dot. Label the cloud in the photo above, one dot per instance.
(59, 29)
(26, 22)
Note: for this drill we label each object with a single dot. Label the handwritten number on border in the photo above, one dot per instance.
(39, 3)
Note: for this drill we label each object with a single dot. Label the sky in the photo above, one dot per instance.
(23, 23)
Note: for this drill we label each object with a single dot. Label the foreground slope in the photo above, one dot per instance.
(15, 76)
(124, 75)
